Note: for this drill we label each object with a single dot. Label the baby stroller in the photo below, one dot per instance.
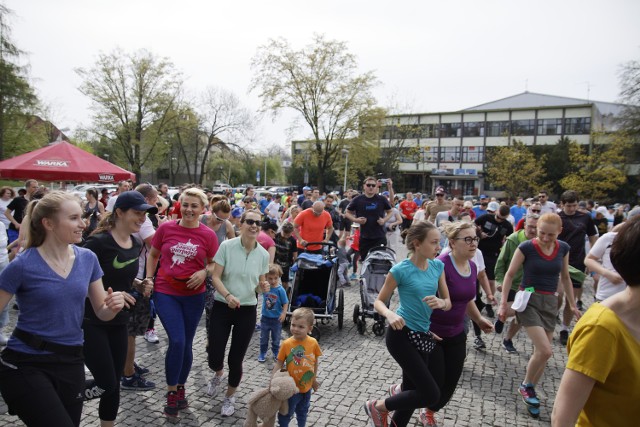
(314, 286)
(374, 271)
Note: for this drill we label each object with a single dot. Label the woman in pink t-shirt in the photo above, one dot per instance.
(185, 249)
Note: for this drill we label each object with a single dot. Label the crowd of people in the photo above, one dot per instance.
(91, 275)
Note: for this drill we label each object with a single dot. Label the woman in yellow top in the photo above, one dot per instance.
(601, 385)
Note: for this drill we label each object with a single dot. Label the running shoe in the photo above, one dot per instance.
(489, 311)
(182, 401)
(498, 326)
(580, 305)
(151, 336)
(213, 386)
(528, 394)
(171, 408)
(228, 406)
(478, 344)
(508, 346)
(564, 337)
(136, 382)
(378, 418)
(353, 276)
(395, 389)
(139, 369)
(428, 418)
(262, 358)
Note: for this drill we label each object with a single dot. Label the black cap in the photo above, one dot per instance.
(134, 200)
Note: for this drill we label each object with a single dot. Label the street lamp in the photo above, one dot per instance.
(221, 169)
(172, 175)
(346, 166)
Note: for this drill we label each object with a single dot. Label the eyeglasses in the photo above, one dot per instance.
(252, 221)
(469, 240)
(536, 210)
(371, 185)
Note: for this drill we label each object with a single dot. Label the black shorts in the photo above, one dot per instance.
(345, 224)
(285, 274)
(139, 318)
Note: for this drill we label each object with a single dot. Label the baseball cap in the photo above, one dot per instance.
(237, 212)
(306, 188)
(483, 196)
(439, 190)
(134, 200)
(385, 193)
(602, 210)
(493, 206)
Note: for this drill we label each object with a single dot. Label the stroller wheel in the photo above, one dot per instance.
(356, 313)
(378, 329)
(361, 325)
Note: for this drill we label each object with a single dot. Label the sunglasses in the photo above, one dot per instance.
(469, 240)
(252, 221)
(371, 185)
(536, 210)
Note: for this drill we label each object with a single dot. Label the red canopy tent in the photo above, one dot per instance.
(62, 161)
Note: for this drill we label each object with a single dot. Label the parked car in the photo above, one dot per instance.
(81, 190)
(220, 188)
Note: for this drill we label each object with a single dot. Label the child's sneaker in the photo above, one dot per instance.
(427, 418)
(228, 406)
(151, 336)
(528, 394)
(262, 358)
(378, 418)
(171, 408)
(213, 386)
(182, 401)
(136, 382)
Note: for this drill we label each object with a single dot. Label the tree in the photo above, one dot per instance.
(515, 169)
(131, 92)
(398, 133)
(17, 97)
(597, 175)
(556, 165)
(319, 82)
(629, 118)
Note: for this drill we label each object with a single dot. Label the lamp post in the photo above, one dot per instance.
(346, 166)
(221, 169)
(172, 176)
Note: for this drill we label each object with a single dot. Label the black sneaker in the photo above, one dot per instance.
(508, 346)
(580, 305)
(489, 311)
(139, 369)
(498, 326)
(564, 337)
(136, 382)
(478, 344)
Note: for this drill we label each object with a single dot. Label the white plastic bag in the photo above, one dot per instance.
(521, 300)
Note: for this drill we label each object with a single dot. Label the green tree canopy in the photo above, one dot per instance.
(321, 83)
(630, 95)
(516, 169)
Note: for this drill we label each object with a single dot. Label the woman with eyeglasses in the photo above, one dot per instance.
(447, 359)
(239, 272)
(219, 222)
(185, 249)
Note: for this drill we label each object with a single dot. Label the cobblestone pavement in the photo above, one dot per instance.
(352, 369)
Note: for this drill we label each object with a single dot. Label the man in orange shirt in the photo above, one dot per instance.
(313, 225)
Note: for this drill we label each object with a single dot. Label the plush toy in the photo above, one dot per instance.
(265, 404)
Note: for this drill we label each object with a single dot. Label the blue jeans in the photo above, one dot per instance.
(270, 326)
(180, 316)
(299, 404)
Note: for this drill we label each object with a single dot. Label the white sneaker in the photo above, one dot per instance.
(151, 336)
(228, 407)
(213, 386)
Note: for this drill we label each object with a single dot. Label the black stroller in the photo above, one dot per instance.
(374, 271)
(315, 287)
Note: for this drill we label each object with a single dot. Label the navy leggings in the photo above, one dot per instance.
(105, 351)
(240, 324)
(445, 364)
(180, 316)
(419, 389)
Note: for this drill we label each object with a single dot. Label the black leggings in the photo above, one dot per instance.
(105, 351)
(480, 305)
(44, 390)
(445, 364)
(419, 389)
(240, 324)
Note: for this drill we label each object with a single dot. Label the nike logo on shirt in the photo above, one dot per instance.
(118, 265)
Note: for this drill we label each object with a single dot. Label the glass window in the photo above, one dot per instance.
(577, 126)
(429, 154)
(449, 154)
(406, 154)
(523, 127)
(473, 129)
(498, 128)
(428, 131)
(472, 154)
(450, 130)
(549, 126)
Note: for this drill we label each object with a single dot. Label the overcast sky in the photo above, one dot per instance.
(429, 56)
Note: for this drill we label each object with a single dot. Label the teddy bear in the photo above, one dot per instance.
(265, 403)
